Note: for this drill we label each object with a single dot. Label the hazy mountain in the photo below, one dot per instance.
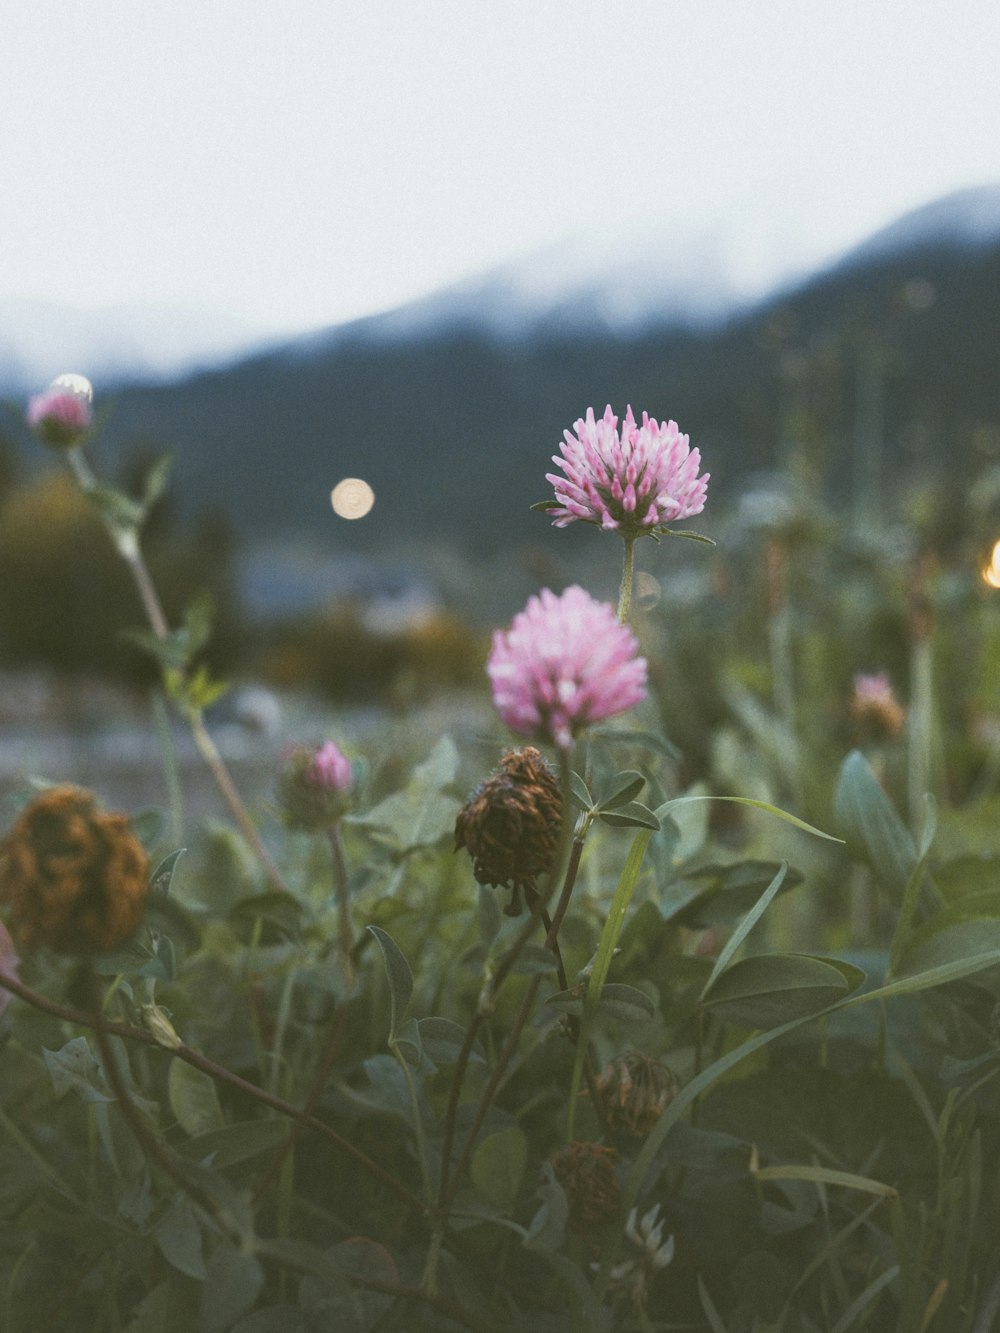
(451, 408)
(39, 340)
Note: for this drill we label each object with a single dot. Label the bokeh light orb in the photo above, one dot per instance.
(352, 498)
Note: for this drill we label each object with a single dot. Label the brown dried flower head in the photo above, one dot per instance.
(73, 877)
(510, 824)
(635, 1090)
(586, 1171)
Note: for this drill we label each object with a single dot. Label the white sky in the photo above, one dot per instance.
(299, 162)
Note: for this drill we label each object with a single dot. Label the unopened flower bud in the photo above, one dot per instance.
(510, 824)
(62, 415)
(75, 878)
(314, 785)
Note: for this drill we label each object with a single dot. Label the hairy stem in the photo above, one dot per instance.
(628, 575)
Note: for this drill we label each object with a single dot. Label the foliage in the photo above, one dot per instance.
(332, 1084)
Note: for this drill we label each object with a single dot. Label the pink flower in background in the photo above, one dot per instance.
(874, 705)
(314, 783)
(60, 416)
(564, 663)
(633, 481)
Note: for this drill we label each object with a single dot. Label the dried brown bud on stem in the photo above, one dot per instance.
(510, 824)
(586, 1171)
(635, 1090)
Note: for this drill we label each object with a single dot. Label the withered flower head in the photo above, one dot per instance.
(586, 1171)
(74, 877)
(635, 1090)
(510, 824)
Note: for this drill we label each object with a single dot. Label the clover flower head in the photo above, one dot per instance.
(74, 877)
(564, 664)
(62, 415)
(632, 481)
(314, 783)
(647, 1233)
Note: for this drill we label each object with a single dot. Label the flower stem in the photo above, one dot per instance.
(345, 928)
(190, 1056)
(486, 1100)
(126, 540)
(628, 575)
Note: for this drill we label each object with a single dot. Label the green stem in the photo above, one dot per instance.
(628, 575)
(190, 1056)
(345, 930)
(486, 1100)
(126, 540)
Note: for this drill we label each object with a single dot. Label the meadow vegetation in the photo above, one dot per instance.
(668, 1001)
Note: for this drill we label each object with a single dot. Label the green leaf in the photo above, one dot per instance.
(683, 532)
(543, 506)
(958, 933)
(121, 511)
(745, 927)
(280, 914)
(399, 977)
(822, 1175)
(581, 794)
(422, 814)
(155, 483)
(631, 815)
(179, 1237)
(232, 1284)
(602, 961)
(624, 788)
(532, 959)
(74, 1067)
(766, 806)
(235, 1143)
(625, 1002)
(497, 1167)
(766, 990)
(162, 876)
(617, 1000)
(193, 1099)
(443, 1040)
(871, 825)
(548, 1226)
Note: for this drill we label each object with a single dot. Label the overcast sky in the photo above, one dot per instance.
(300, 162)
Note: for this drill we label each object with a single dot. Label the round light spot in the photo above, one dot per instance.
(77, 384)
(352, 498)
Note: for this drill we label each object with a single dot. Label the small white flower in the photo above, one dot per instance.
(647, 1233)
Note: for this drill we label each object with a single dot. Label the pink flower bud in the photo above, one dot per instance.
(60, 416)
(314, 784)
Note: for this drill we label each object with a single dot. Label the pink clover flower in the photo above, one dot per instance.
(564, 664)
(632, 481)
